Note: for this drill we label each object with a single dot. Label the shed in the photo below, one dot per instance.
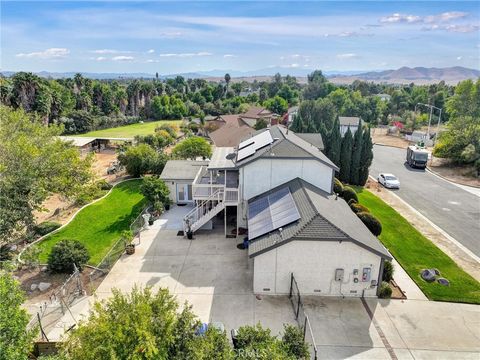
(179, 176)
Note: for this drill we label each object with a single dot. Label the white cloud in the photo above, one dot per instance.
(459, 57)
(110, 51)
(52, 53)
(183, 55)
(400, 18)
(347, 56)
(226, 56)
(152, 61)
(446, 16)
(468, 28)
(123, 58)
(100, 58)
(151, 51)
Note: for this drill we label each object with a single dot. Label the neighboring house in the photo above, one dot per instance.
(314, 139)
(88, 144)
(230, 135)
(179, 176)
(383, 97)
(279, 186)
(347, 122)
(419, 136)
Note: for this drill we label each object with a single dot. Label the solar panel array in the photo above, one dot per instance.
(271, 212)
(248, 147)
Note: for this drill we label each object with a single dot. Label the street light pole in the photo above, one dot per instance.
(438, 126)
(429, 122)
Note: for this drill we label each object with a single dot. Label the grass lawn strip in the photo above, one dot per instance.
(99, 226)
(415, 252)
(130, 131)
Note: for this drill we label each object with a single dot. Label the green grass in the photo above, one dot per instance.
(415, 252)
(129, 131)
(99, 226)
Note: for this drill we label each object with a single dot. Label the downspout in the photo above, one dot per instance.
(380, 275)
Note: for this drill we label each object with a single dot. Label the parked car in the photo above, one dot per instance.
(390, 181)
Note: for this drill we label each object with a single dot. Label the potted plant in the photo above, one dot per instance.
(189, 235)
(167, 202)
(130, 249)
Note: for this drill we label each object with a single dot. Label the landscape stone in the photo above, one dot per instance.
(44, 286)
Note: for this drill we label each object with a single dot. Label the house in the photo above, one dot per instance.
(279, 187)
(89, 144)
(179, 175)
(231, 135)
(349, 122)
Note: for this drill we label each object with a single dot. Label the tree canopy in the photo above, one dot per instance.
(34, 163)
(192, 147)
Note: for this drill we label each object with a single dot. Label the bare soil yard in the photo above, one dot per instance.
(465, 175)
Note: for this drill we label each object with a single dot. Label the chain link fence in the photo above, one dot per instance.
(301, 317)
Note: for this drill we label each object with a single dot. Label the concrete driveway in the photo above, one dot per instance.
(209, 272)
(448, 206)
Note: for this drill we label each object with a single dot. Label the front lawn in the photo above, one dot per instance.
(415, 252)
(130, 131)
(99, 226)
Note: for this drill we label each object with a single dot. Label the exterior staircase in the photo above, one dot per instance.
(204, 211)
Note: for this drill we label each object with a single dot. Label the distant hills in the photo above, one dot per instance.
(403, 75)
(418, 75)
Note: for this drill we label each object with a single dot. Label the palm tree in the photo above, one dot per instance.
(227, 80)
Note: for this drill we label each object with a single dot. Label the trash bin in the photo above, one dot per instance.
(245, 242)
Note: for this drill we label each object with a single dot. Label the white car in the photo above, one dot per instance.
(390, 181)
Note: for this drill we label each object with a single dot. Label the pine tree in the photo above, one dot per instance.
(335, 143)
(325, 138)
(366, 158)
(297, 124)
(356, 155)
(346, 156)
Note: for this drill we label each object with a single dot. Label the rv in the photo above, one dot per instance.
(417, 157)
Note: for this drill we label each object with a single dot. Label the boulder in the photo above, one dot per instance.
(44, 286)
(34, 287)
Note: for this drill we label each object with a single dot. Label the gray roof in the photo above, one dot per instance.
(181, 169)
(323, 218)
(286, 144)
(312, 138)
(348, 120)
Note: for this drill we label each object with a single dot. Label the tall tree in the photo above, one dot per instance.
(16, 341)
(34, 163)
(356, 155)
(366, 158)
(346, 156)
(335, 143)
(227, 80)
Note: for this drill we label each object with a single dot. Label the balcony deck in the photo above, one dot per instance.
(207, 183)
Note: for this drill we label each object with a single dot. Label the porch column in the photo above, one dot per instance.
(225, 220)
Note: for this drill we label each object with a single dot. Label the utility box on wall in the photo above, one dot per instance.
(366, 274)
(339, 274)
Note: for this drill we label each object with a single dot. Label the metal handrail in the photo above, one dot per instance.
(214, 196)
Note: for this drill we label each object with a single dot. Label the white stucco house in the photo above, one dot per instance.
(279, 187)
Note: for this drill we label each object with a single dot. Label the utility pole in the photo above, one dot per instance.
(430, 119)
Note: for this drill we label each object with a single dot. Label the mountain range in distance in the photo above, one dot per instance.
(403, 75)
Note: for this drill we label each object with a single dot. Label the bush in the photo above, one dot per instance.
(352, 201)
(46, 227)
(64, 254)
(294, 342)
(104, 184)
(154, 189)
(89, 193)
(371, 222)
(356, 208)
(387, 271)
(349, 193)
(385, 291)
(138, 160)
(337, 187)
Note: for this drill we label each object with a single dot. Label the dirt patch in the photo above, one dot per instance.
(380, 136)
(464, 260)
(397, 292)
(465, 175)
(102, 162)
(27, 277)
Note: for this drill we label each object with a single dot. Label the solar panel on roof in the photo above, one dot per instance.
(246, 143)
(263, 139)
(245, 152)
(271, 212)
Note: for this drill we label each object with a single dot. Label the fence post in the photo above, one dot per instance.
(305, 327)
(291, 284)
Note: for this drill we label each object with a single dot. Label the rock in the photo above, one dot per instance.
(34, 287)
(44, 268)
(57, 211)
(44, 286)
(13, 248)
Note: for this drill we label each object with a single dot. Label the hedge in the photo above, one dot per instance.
(349, 193)
(372, 223)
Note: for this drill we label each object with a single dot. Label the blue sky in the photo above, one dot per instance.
(172, 37)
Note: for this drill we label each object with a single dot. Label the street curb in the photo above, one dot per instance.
(40, 239)
(436, 227)
(449, 180)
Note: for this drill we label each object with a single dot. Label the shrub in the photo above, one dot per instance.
(371, 222)
(385, 291)
(349, 193)
(294, 342)
(154, 189)
(46, 227)
(356, 208)
(138, 159)
(65, 253)
(387, 271)
(89, 193)
(104, 184)
(352, 201)
(337, 187)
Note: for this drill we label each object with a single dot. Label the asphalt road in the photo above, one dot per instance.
(448, 206)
